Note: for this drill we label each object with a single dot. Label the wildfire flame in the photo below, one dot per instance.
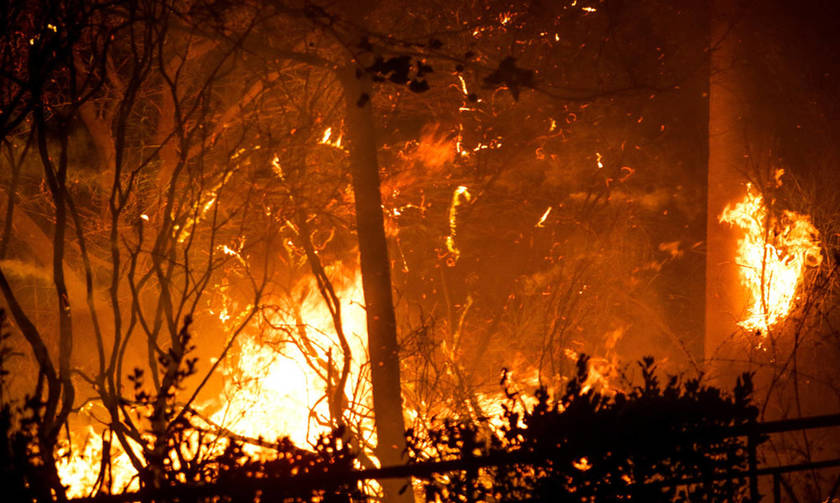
(772, 256)
(277, 384)
(79, 465)
(328, 139)
(272, 389)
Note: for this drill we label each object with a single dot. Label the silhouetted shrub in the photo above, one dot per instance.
(22, 474)
(655, 443)
(595, 447)
(182, 465)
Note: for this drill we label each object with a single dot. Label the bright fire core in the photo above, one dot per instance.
(277, 386)
(772, 256)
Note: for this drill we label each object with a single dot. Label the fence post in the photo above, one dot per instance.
(777, 488)
(752, 459)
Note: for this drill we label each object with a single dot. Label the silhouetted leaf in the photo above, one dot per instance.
(418, 86)
(511, 76)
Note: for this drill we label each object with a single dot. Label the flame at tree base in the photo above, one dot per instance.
(772, 256)
(278, 383)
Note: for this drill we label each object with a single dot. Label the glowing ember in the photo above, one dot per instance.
(463, 85)
(541, 222)
(582, 464)
(461, 193)
(772, 256)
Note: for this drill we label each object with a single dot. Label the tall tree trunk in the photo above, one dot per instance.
(727, 150)
(376, 279)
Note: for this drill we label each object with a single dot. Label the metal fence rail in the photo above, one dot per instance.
(783, 426)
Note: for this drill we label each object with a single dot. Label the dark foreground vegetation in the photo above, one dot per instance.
(654, 443)
(533, 180)
(658, 441)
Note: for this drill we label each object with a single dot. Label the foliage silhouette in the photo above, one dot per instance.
(178, 452)
(23, 475)
(590, 446)
(182, 456)
(577, 446)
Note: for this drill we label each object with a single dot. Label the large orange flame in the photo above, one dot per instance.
(79, 464)
(772, 256)
(277, 384)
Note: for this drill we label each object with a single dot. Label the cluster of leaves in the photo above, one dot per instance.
(292, 474)
(411, 71)
(170, 435)
(400, 70)
(284, 472)
(14, 470)
(654, 443)
(23, 476)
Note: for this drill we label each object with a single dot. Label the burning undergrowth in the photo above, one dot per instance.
(284, 377)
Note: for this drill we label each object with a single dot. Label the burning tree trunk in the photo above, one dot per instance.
(376, 277)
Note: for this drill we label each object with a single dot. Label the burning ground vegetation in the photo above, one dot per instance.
(648, 443)
(256, 247)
